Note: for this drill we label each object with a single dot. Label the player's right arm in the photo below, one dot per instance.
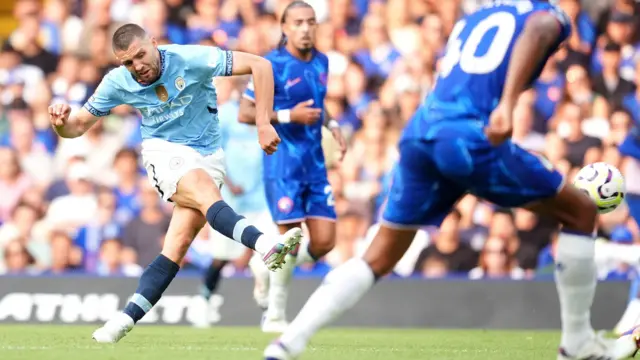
(68, 124)
(541, 35)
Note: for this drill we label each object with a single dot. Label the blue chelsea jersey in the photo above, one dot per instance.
(299, 155)
(474, 69)
(179, 107)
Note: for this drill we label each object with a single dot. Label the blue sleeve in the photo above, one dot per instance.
(586, 28)
(249, 92)
(105, 98)
(563, 20)
(211, 61)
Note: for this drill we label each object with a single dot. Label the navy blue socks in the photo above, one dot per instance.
(223, 219)
(154, 281)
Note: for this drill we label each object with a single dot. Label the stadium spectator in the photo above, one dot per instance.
(13, 182)
(446, 245)
(110, 261)
(143, 235)
(496, 262)
(17, 258)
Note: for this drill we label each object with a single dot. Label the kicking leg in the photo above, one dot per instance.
(342, 288)
(185, 224)
(197, 190)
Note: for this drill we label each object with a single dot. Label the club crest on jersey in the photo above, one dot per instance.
(180, 83)
(285, 205)
(175, 163)
(162, 93)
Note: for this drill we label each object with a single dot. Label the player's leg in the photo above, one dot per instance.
(285, 199)
(512, 177)
(412, 203)
(185, 224)
(321, 221)
(199, 188)
(211, 277)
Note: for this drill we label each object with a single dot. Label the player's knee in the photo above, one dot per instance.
(380, 266)
(584, 216)
(320, 246)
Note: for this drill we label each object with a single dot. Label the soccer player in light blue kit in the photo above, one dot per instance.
(172, 87)
(458, 142)
(296, 184)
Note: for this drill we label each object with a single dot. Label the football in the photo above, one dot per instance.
(603, 183)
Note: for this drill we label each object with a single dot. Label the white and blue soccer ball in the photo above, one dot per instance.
(603, 183)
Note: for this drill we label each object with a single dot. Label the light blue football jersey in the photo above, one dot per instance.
(189, 114)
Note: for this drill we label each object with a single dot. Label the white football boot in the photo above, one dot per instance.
(275, 258)
(601, 348)
(114, 329)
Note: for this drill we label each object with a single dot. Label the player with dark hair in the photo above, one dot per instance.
(296, 184)
(172, 87)
(459, 141)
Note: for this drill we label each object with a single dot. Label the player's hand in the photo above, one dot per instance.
(500, 125)
(303, 113)
(268, 138)
(342, 143)
(58, 114)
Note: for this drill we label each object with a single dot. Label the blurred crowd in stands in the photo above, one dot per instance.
(85, 205)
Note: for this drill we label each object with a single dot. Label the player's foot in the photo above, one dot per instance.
(274, 326)
(277, 351)
(629, 342)
(287, 242)
(114, 329)
(601, 348)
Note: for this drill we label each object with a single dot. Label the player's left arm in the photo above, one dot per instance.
(334, 127)
(228, 63)
(260, 70)
(543, 32)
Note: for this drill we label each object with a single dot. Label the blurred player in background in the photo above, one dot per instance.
(296, 184)
(458, 142)
(172, 87)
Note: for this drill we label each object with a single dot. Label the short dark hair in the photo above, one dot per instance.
(124, 36)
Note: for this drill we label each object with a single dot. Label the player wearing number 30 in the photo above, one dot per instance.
(459, 141)
(172, 87)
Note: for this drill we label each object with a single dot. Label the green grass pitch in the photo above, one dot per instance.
(238, 343)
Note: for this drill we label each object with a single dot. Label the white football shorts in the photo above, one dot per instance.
(167, 163)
